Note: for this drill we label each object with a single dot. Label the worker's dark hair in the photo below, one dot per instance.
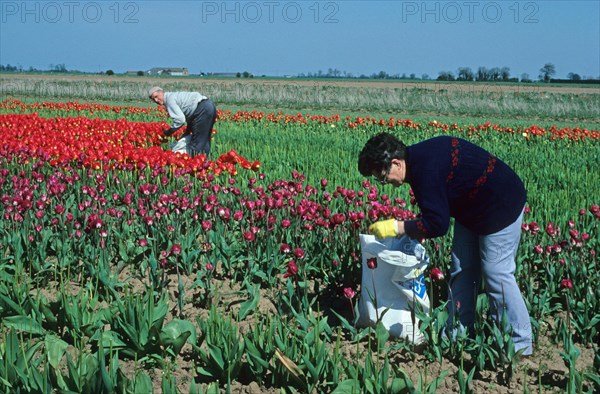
(377, 154)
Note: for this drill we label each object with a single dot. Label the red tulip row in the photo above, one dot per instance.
(97, 143)
(553, 132)
(89, 108)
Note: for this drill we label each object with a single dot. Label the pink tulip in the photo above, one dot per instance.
(292, 269)
(574, 233)
(534, 227)
(372, 263)
(206, 225)
(238, 215)
(585, 236)
(249, 236)
(437, 274)
(566, 283)
(349, 293)
(550, 230)
(299, 253)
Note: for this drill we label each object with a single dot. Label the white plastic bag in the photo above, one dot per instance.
(390, 291)
(181, 145)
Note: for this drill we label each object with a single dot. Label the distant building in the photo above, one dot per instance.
(134, 72)
(172, 71)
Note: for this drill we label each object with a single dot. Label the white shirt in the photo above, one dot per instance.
(181, 105)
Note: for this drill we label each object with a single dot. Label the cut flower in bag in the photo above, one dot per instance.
(394, 286)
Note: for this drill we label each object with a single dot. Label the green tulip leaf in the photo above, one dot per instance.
(55, 348)
(24, 323)
(176, 333)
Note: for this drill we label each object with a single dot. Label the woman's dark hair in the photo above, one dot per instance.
(376, 157)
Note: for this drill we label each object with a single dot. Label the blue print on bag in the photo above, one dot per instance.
(419, 286)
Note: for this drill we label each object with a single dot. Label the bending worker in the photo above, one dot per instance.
(451, 177)
(192, 108)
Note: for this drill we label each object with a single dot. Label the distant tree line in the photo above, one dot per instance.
(335, 73)
(58, 68)
(483, 74)
(495, 74)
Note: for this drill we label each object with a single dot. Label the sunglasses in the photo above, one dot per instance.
(384, 180)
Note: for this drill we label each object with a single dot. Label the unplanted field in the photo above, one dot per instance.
(401, 98)
(473, 87)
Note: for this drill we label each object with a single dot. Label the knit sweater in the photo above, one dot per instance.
(451, 177)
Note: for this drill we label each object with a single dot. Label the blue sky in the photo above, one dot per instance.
(280, 37)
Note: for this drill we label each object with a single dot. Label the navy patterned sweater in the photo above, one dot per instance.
(452, 177)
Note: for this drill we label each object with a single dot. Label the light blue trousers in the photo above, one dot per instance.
(491, 257)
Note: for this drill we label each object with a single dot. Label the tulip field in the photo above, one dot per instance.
(126, 268)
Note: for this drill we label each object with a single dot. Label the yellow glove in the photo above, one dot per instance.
(384, 228)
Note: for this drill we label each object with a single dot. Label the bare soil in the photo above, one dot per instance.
(544, 370)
